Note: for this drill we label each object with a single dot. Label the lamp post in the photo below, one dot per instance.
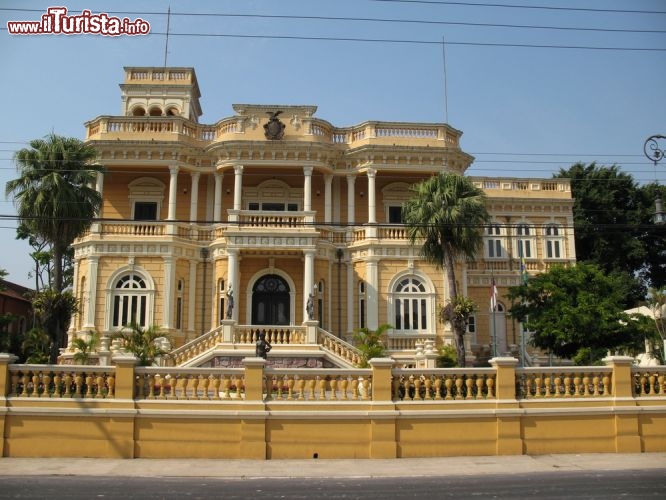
(655, 152)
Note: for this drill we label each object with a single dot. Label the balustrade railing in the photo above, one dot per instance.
(198, 346)
(339, 347)
(287, 384)
(275, 334)
(558, 382)
(62, 381)
(189, 383)
(649, 381)
(133, 228)
(414, 384)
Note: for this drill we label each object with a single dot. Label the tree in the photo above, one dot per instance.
(36, 346)
(54, 195)
(569, 309)
(447, 213)
(614, 225)
(144, 343)
(54, 311)
(369, 342)
(84, 348)
(9, 341)
(657, 304)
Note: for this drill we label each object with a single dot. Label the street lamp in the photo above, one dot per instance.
(655, 152)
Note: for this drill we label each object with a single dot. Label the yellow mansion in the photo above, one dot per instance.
(275, 220)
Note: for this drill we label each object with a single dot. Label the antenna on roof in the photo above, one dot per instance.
(166, 44)
(446, 99)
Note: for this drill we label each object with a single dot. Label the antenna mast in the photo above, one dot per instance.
(166, 44)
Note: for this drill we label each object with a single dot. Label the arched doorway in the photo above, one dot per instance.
(270, 301)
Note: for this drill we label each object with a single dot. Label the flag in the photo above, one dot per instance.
(493, 295)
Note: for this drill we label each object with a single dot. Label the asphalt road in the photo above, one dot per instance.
(624, 484)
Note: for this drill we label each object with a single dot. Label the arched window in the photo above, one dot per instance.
(412, 306)
(494, 237)
(525, 241)
(553, 242)
(179, 305)
(130, 301)
(361, 304)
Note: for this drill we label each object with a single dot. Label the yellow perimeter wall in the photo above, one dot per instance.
(378, 427)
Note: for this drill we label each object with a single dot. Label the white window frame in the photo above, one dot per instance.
(495, 242)
(417, 290)
(525, 243)
(553, 244)
(113, 291)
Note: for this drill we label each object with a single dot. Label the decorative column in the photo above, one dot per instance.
(308, 279)
(351, 285)
(194, 196)
(307, 189)
(192, 299)
(328, 199)
(238, 186)
(91, 293)
(372, 216)
(217, 207)
(351, 179)
(372, 299)
(99, 187)
(169, 291)
(173, 194)
(232, 272)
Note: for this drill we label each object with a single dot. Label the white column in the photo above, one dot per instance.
(238, 186)
(169, 291)
(351, 207)
(372, 216)
(192, 298)
(91, 292)
(217, 210)
(371, 294)
(233, 279)
(307, 189)
(308, 279)
(328, 199)
(351, 286)
(194, 196)
(99, 186)
(173, 194)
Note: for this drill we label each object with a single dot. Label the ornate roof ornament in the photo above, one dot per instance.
(274, 129)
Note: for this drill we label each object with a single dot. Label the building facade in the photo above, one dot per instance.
(273, 217)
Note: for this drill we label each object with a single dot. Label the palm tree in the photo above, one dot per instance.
(55, 195)
(369, 342)
(447, 214)
(84, 348)
(143, 342)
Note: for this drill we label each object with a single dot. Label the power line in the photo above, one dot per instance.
(516, 6)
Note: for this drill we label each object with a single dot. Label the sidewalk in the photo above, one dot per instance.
(406, 467)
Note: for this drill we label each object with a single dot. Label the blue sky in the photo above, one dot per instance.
(524, 111)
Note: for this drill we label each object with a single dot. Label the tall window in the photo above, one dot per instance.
(471, 328)
(525, 243)
(395, 214)
(179, 306)
(130, 301)
(361, 304)
(494, 242)
(412, 309)
(553, 241)
(221, 295)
